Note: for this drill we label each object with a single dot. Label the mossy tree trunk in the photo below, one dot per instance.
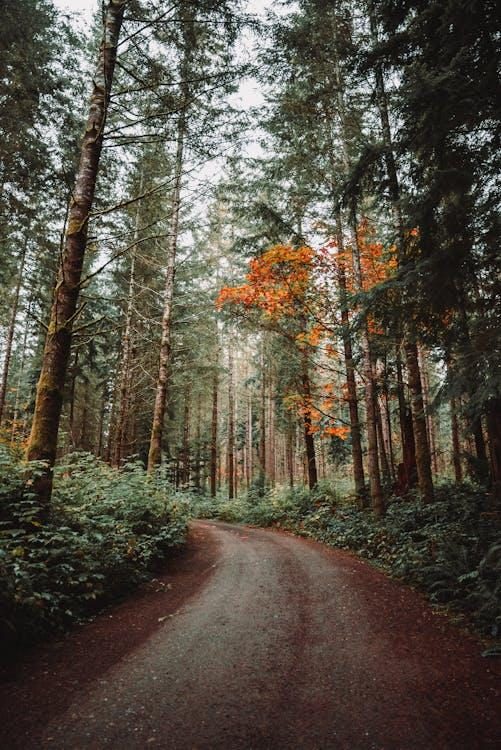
(42, 444)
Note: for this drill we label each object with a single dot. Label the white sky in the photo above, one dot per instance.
(85, 8)
(249, 93)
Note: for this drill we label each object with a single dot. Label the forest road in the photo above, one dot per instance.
(288, 644)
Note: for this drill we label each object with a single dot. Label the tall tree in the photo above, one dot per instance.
(42, 443)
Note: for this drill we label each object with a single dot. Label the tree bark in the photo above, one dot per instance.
(198, 443)
(423, 463)
(231, 425)
(262, 421)
(377, 499)
(42, 444)
(214, 433)
(185, 473)
(155, 450)
(351, 385)
(11, 330)
(418, 416)
(494, 435)
(309, 441)
(456, 444)
(20, 374)
(127, 348)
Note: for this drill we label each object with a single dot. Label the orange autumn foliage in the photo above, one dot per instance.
(276, 282)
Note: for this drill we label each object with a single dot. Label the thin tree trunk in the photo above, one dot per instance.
(430, 423)
(309, 441)
(214, 433)
(262, 441)
(271, 442)
(407, 470)
(155, 450)
(127, 347)
(198, 447)
(231, 424)
(290, 451)
(387, 427)
(15, 414)
(102, 412)
(377, 499)
(418, 416)
(73, 390)
(185, 477)
(456, 444)
(494, 435)
(11, 330)
(42, 444)
(383, 456)
(250, 447)
(351, 385)
(423, 463)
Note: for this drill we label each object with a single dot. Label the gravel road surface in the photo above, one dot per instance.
(286, 644)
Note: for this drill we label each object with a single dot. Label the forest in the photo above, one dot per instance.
(249, 271)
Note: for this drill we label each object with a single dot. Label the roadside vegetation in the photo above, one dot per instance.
(450, 550)
(108, 530)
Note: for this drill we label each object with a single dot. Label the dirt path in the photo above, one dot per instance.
(283, 644)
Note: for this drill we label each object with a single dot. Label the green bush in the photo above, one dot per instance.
(107, 530)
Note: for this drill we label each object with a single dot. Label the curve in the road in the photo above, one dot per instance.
(291, 645)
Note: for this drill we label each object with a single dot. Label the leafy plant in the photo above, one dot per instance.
(107, 531)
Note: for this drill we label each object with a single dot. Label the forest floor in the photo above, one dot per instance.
(257, 639)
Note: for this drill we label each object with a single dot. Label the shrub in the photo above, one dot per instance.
(107, 530)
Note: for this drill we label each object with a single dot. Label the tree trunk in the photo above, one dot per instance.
(73, 393)
(377, 499)
(231, 425)
(15, 413)
(494, 435)
(155, 450)
(418, 416)
(198, 446)
(309, 441)
(185, 474)
(351, 385)
(407, 470)
(42, 444)
(11, 330)
(456, 444)
(214, 431)
(383, 456)
(249, 440)
(376, 491)
(423, 463)
(127, 348)
(262, 421)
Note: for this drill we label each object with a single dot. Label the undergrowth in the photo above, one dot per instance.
(107, 531)
(451, 549)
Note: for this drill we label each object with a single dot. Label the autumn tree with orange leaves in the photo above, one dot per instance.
(280, 288)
